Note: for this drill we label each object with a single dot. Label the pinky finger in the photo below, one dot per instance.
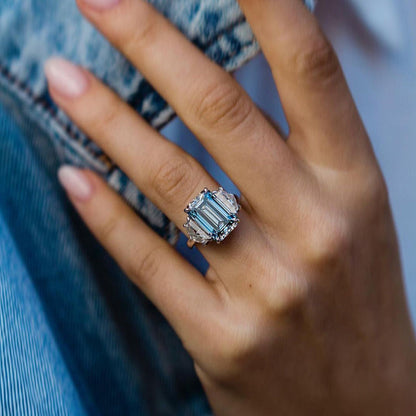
(178, 290)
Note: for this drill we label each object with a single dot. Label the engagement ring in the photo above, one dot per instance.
(212, 216)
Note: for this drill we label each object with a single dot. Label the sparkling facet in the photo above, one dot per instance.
(196, 233)
(227, 200)
(212, 216)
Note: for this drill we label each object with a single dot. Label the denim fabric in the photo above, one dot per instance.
(33, 375)
(33, 30)
(76, 336)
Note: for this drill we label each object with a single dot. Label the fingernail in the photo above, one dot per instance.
(66, 78)
(101, 4)
(75, 182)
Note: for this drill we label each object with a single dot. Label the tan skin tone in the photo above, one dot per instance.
(302, 311)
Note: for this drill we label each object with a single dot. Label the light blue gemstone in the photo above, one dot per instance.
(211, 216)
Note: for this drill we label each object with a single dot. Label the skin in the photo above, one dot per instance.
(302, 311)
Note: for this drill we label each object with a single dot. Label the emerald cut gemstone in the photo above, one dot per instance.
(211, 216)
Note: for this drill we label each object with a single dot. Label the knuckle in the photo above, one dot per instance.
(316, 61)
(374, 191)
(235, 350)
(372, 202)
(108, 116)
(101, 117)
(108, 228)
(143, 33)
(380, 191)
(234, 357)
(281, 303)
(145, 265)
(330, 242)
(130, 26)
(380, 195)
(175, 180)
(223, 105)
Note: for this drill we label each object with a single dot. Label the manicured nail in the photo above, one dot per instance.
(75, 182)
(101, 4)
(66, 78)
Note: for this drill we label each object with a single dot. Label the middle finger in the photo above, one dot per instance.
(207, 99)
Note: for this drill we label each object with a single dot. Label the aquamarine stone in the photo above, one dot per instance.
(211, 216)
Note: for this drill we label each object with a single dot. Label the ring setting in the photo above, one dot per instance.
(212, 216)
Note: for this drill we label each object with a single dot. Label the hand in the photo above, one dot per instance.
(302, 310)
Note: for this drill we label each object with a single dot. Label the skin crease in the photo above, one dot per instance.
(302, 311)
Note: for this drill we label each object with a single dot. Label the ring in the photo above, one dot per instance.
(212, 216)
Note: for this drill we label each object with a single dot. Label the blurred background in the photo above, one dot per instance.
(375, 41)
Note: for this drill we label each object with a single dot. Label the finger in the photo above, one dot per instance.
(324, 122)
(163, 171)
(170, 282)
(166, 174)
(208, 99)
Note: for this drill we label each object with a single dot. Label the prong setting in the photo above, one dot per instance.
(211, 216)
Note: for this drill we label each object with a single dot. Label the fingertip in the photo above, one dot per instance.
(76, 182)
(66, 78)
(99, 5)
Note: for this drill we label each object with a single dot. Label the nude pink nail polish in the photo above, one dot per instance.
(101, 4)
(75, 182)
(65, 77)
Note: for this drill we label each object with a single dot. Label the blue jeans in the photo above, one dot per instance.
(76, 336)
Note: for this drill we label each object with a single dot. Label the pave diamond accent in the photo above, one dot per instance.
(212, 216)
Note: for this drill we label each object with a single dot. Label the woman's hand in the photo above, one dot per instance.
(302, 310)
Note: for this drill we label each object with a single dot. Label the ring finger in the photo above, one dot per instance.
(213, 105)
